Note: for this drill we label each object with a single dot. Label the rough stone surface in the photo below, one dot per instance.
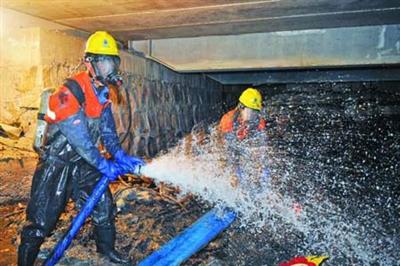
(34, 59)
(163, 106)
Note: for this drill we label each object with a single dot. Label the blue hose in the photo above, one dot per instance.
(78, 221)
(192, 239)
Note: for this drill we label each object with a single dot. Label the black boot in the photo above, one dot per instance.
(105, 240)
(28, 251)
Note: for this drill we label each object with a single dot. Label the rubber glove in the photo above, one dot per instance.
(127, 162)
(110, 169)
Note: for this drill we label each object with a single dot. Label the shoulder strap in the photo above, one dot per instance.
(76, 90)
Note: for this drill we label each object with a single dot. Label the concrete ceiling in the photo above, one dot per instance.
(232, 38)
(333, 47)
(159, 19)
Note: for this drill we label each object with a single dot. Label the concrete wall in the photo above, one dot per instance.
(33, 59)
(35, 54)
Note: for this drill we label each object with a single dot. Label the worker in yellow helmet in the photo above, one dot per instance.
(244, 115)
(79, 117)
(242, 123)
(102, 58)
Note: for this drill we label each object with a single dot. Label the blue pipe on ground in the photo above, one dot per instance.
(78, 221)
(192, 239)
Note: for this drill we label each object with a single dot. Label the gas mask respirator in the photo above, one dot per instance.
(105, 68)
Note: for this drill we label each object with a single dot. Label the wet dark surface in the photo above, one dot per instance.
(15, 180)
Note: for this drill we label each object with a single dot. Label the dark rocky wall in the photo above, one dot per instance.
(343, 140)
(163, 106)
(351, 129)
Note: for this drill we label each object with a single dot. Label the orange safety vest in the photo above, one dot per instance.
(63, 104)
(227, 122)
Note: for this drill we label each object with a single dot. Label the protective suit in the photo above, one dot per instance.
(71, 163)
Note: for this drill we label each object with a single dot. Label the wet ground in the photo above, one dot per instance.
(11, 215)
(15, 176)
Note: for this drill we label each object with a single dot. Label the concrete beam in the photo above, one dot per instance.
(160, 19)
(256, 78)
(337, 47)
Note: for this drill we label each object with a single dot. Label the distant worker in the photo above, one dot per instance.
(240, 125)
(79, 118)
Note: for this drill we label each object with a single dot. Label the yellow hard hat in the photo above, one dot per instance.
(317, 260)
(251, 98)
(101, 43)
